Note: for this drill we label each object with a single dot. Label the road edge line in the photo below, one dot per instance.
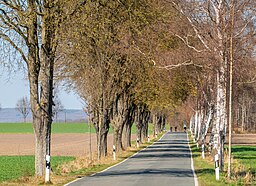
(128, 157)
(73, 181)
(192, 163)
(115, 164)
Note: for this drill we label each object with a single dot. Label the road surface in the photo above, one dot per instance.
(166, 162)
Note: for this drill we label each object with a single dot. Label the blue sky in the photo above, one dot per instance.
(14, 86)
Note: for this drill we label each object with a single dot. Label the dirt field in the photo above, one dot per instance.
(75, 144)
(62, 144)
(239, 139)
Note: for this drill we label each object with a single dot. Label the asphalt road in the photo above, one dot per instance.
(166, 162)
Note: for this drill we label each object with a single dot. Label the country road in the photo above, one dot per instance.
(166, 162)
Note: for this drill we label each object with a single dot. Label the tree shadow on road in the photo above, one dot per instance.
(174, 172)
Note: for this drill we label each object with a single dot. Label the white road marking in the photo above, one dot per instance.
(192, 164)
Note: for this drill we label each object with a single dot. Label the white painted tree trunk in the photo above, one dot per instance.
(195, 126)
(243, 114)
(208, 120)
(199, 124)
(191, 123)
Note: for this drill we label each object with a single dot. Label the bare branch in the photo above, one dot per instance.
(188, 45)
(137, 48)
(6, 38)
(10, 5)
(185, 63)
(242, 30)
(7, 20)
(193, 26)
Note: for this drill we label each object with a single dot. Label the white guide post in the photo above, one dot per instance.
(217, 169)
(148, 139)
(47, 169)
(138, 144)
(114, 152)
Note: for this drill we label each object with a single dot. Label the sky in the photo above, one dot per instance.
(15, 86)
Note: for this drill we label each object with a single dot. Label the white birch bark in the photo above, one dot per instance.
(243, 115)
(208, 120)
(191, 123)
(195, 126)
(200, 120)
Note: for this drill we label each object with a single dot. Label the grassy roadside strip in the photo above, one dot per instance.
(204, 168)
(81, 166)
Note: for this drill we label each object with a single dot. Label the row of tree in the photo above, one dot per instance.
(132, 61)
(107, 45)
(109, 56)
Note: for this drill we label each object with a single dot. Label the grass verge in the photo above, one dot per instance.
(243, 167)
(65, 169)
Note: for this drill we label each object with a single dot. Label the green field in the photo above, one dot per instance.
(57, 128)
(14, 167)
(26, 128)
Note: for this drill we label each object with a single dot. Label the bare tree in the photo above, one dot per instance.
(23, 107)
(57, 107)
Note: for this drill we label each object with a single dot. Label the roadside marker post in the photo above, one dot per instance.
(47, 169)
(148, 139)
(138, 145)
(217, 169)
(114, 152)
(203, 156)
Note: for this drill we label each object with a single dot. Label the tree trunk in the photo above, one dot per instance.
(154, 124)
(102, 144)
(102, 128)
(101, 123)
(200, 120)
(117, 137)
(120, 117)
(207, 122)
(195, 125)
(191, 124)
(139, 124)
(221, 116)
(243, 114)
(127, 136)
(159, 123)
(146, 116)
(128, 126)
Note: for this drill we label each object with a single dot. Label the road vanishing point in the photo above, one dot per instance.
(166, 162)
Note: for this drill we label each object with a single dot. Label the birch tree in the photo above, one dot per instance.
(210, 21)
